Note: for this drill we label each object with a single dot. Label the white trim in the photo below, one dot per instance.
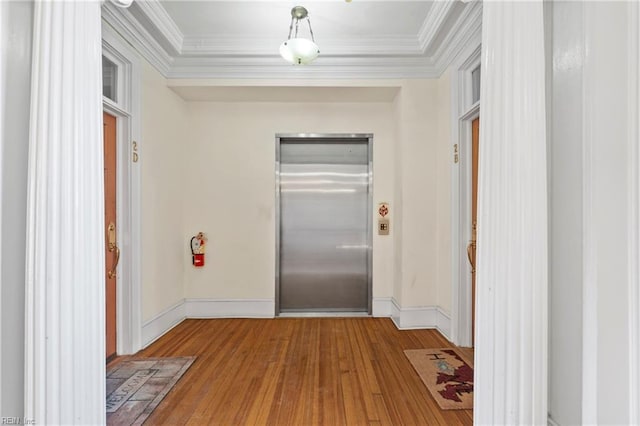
(443, 323)
(395, 312)
(65, 264)
(438, 14)
(415, 317)
(463, 113)
(155, 36)
(3, 64)
(230, 308)
(324, 68)
(16, 29)
(160, 324)
(511, 346)
(123, 23)
(634, 212)
(589, 225)
(235, 46)
(407, 318)
(466, 33)
(381, 307)
(418, 317)
(164, 25)
(127, 111)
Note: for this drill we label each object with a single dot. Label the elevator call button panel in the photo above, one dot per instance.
(383, 226)
(383, 220)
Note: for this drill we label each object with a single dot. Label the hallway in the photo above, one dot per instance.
(558, 221)
(299, 371)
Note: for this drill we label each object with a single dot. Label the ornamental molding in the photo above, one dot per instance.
(150, 30)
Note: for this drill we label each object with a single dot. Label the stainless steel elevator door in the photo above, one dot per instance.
(324, 238)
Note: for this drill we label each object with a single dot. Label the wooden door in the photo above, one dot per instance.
(475, 142)
(112, 252)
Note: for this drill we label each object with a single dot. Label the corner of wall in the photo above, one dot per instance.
(408, 318)
(164, 139)
(398, 107)
(162, 323)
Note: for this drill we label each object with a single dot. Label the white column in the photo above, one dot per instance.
(65, 328)
(15, 82)
(634, 214)
(511, 326)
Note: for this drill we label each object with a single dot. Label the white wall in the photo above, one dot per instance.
(417, 119)
(15, 82)
(444, 153)
(216, 159)
(230, 188)
(231, 181)
(165, 137)
(396, 222)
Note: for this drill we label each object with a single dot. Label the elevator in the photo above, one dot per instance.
(323, 224)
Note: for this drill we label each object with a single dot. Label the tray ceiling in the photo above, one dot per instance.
(240, 39)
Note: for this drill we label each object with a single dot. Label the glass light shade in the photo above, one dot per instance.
(123, 3)
(299, 51)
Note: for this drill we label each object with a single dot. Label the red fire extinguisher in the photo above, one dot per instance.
(197, 249)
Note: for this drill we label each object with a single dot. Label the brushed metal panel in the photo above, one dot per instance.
(324, 248)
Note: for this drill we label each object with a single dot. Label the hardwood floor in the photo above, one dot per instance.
(299, 371)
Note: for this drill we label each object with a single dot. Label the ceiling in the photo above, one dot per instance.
(240, 39)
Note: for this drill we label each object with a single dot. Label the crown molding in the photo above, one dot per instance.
(274, 68)
(465, 34)
(227, 45)
(438, 14)
(152, 32)
(288, 83)
(122, 22)
(160, 24)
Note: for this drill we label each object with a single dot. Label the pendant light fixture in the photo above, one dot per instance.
(298, 50)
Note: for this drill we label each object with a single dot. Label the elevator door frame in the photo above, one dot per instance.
(320, 138)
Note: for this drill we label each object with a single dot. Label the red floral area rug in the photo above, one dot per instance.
(136, 386)
(447, 376)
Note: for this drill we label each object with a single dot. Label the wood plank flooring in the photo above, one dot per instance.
(299, 371)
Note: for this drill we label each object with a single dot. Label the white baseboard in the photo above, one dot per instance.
(443, 323)
(381, 307)
(413, 317)
(403, 318)
(395, 313)
(421, 317)
(230, 308)
(157, 326)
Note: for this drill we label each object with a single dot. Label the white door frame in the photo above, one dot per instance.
(127, 113)
(464, 111)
